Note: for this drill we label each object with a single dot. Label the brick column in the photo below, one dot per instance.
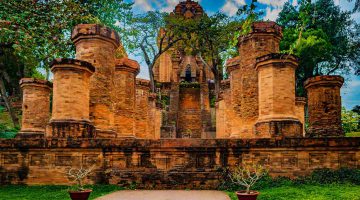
(276, 73)
(70, 113)
(300, 103)
(125, 73)
(263, 39)
(97, 45)
(143, 109)
(35, 107)
(324, 106)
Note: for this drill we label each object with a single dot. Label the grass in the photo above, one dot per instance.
(353, 134)
(53, 192)
(298, 192)
(309, 192)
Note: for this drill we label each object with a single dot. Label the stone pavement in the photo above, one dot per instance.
(166, 195)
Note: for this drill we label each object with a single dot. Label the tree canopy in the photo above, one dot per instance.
(324, 37)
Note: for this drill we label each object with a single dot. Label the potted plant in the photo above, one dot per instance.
(247, 176)
(78, 192)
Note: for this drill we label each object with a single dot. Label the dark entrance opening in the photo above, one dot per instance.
(188, 74)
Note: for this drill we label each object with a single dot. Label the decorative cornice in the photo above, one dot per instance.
(326, 80)
(264, 27)
(276, 59)
(232, 64)
(69, 63)
(126, 64)
(87, 31)
(35, 82)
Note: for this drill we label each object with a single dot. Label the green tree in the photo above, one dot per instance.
(350, 120)
(34, 32)
(157, 32)
(325, 38)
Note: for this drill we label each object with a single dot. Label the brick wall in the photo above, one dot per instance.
(189, 114)
(171, 164)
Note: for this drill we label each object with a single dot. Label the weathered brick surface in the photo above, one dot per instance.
(224, 111)
(35, 106)
(70, 112)
(145, 108)
(97, 44)
(276, 86)
(300, 103)
(324, 105)
(189, 114)
(162, 164)
(263, 39)
(71, 89)
(124, 92)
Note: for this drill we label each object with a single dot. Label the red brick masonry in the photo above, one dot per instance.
(168, 163)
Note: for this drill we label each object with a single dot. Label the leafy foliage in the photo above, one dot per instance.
(322, 176)
(350, 120)
(325, 38)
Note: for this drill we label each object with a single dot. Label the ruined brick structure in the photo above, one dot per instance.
(188, 114)
(103, 116)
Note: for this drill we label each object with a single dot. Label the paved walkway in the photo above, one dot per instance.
(166, 195)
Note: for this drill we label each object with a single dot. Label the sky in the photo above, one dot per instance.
(350, 91)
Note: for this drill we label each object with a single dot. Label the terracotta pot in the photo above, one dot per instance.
(242, 195)
(80, 195)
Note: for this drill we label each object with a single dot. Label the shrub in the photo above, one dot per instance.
(318, 176)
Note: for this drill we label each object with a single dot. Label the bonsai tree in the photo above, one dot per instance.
(78, 175)
(247, 176)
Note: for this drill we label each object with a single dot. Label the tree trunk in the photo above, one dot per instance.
(152, 81)
(14, 119)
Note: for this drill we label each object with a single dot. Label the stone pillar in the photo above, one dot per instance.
(97, 45)
(300, 103)
(35, 107)
(125, 73)
(324, 106)
(276, 75)
(263, 39)
(71, 97)
(143, 109)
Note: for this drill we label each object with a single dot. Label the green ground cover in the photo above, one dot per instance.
(353, 134)
(309, 192)
(54, 192)
(298, 192)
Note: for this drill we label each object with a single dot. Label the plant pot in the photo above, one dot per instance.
(80, 195)
(242, 195)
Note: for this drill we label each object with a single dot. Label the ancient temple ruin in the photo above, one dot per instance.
(103, 116)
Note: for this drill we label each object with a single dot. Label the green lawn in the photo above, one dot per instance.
(353, 134)
(309, 192)
(16, 192)
(300, 192)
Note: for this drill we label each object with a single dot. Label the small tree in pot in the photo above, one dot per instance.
(247, 176)
(78, 175)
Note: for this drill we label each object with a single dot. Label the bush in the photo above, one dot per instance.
(328, 176)
(318, 176)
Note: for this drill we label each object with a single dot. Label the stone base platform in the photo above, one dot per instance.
(167, 163)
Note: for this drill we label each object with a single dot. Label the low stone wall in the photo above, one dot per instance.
(167, 163)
